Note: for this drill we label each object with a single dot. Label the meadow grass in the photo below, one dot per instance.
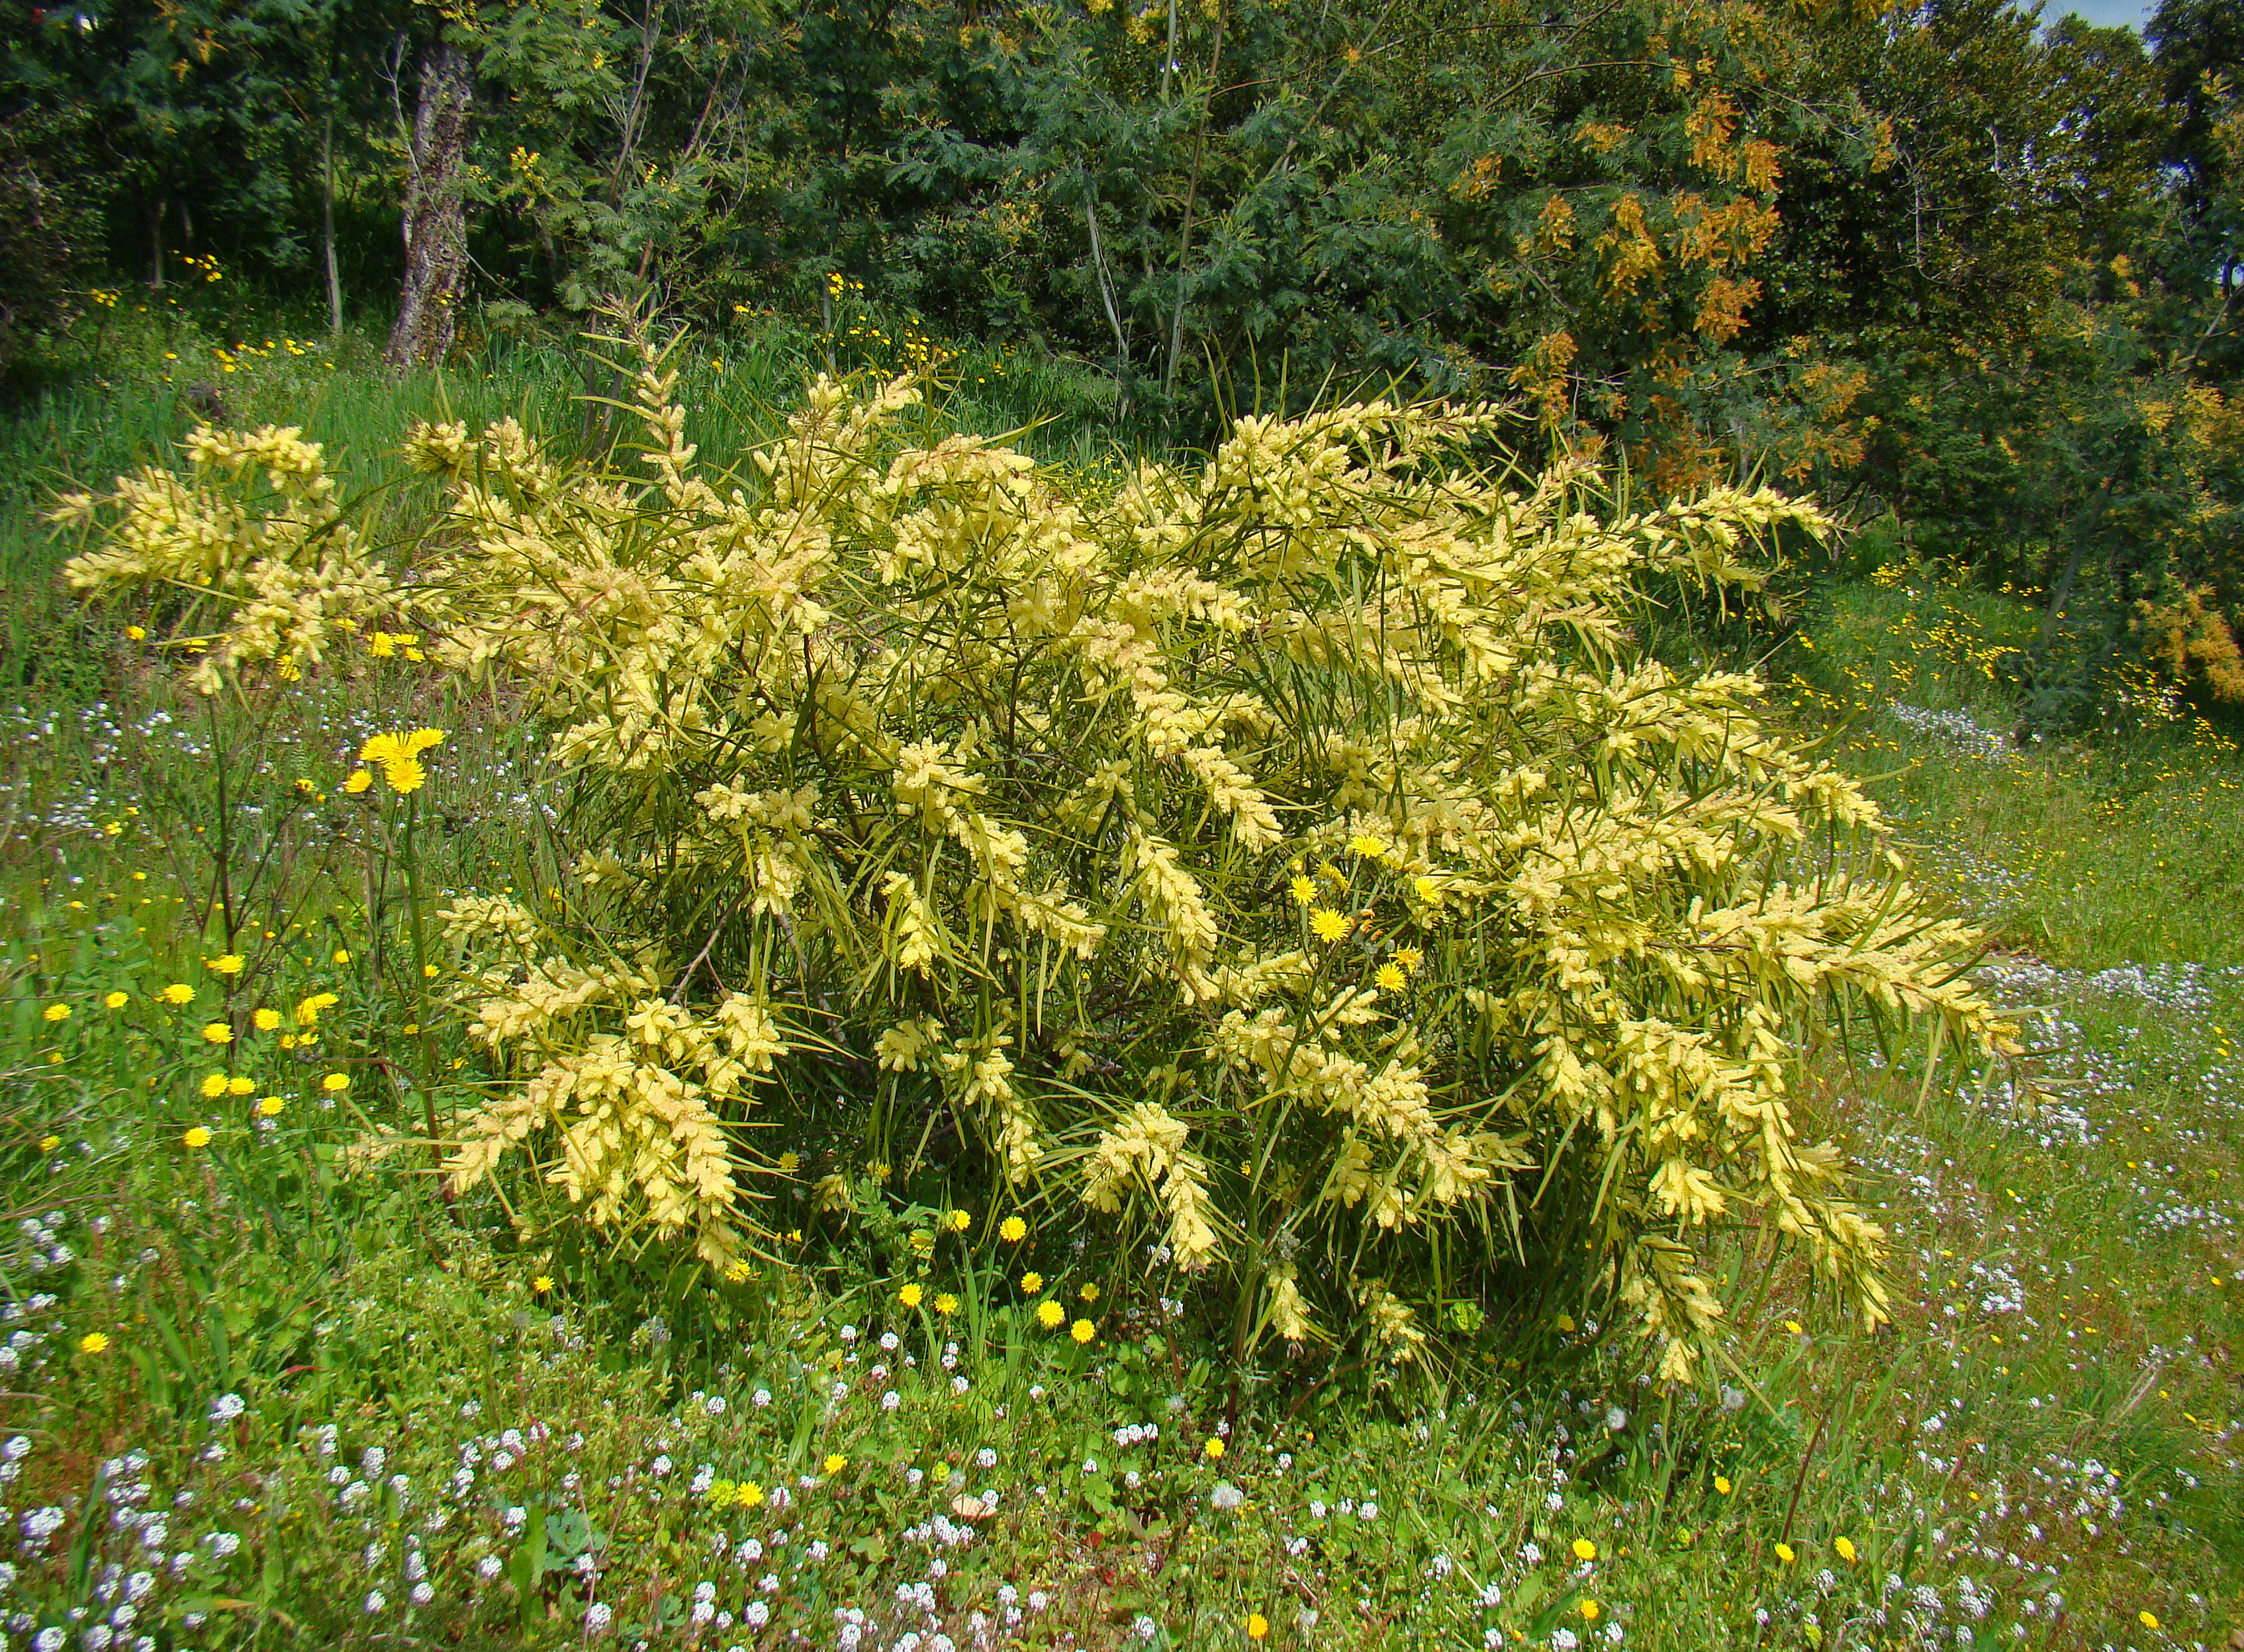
(268, 1386)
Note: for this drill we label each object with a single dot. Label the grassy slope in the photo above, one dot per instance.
(2042, 1449)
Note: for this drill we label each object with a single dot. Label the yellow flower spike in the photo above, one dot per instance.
(1050, 1314)
(1327, 925)
(1214, 1448)
(1012, 1230)
(196, 1138)
(1584, 1550)
(912, 1295)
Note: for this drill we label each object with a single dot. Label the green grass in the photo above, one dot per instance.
(2053, 1413)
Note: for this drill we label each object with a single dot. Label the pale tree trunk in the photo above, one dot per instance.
(327, 225)
(436, 227)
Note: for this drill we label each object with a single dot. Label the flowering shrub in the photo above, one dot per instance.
(1290, 855)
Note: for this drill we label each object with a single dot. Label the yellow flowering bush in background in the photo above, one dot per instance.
(1289, 860)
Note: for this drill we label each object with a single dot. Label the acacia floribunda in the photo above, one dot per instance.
(1290, 860)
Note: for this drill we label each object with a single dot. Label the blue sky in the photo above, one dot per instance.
(2106, 12)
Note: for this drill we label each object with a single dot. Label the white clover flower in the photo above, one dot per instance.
(422, 1593)
(986, 1458)
(761, 1397)
(376, 1599)
(597, 1617)
(227, 1407)
(488, 1567)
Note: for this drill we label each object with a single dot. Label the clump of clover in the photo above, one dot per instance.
(1288, 858)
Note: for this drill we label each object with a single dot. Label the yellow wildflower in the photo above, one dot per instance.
(1089, 1292)
(790, 1162)
(229, 963)
(1584, 1550)
(177, 993)
(912, 1295)
(95, 1341)
(1082, 1330)
(266, 1020)
(835, 1462)
(240, 1086)
(1214, 1448)
(1012, 1230)
(541, 1283)
(197, 1136)
(1846, 1549)
(946, 1304)
(1304, 890)
(1364, 843)
(357, 781)
(1589, 1611)
(116, 1001)
(1390, 978)
(1258, 1626)
(960, 1221)
(1328, 923)
(218, 1033)
(1409, 958)
(48, 1144)
(1032, 1283)
(272, 1106)
(1050, 1313)
(1784, 1552)
(307, 1010)
(57, 1012)
(400, 757)
(335, 1084)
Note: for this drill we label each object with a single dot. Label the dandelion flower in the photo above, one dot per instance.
(1784, 1552)
(307, 1010)
(335, 1084)
(1328, 923)
(1214, 1449)
(57, 1012)
(1032, 1283)
(95, 1341)
(1258, 1626)
(1722, 1484)
(1082, 1330)
(272, 1106)
(218, 1033)
(959, 1221)
(358, 780)
(1304, 890)
(213, 1086)
(266, 1020)
(177, 993)
(541, 1283)
(116, 1001)
(1793, 1325)
(1364, 843)
(2148, 1619)
(1012, 1230)
(1089, 1292)
(1584, 1550)
(400, 757)
(1409, 958)
(135, 633)
(912, 1295)
(835, 1462)
(749, 1494)
(197, 1136)
(1390, 978)
(1589, 1611)
(789, 1162)
(1846, 1549)
(240, 1086)
(48, 1144)
(1050, 1313)
(342, 954)
(227, 963)
(1426, 889)
(946, 1304)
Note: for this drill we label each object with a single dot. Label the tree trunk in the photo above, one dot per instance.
(327, 225)
(436, 227)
